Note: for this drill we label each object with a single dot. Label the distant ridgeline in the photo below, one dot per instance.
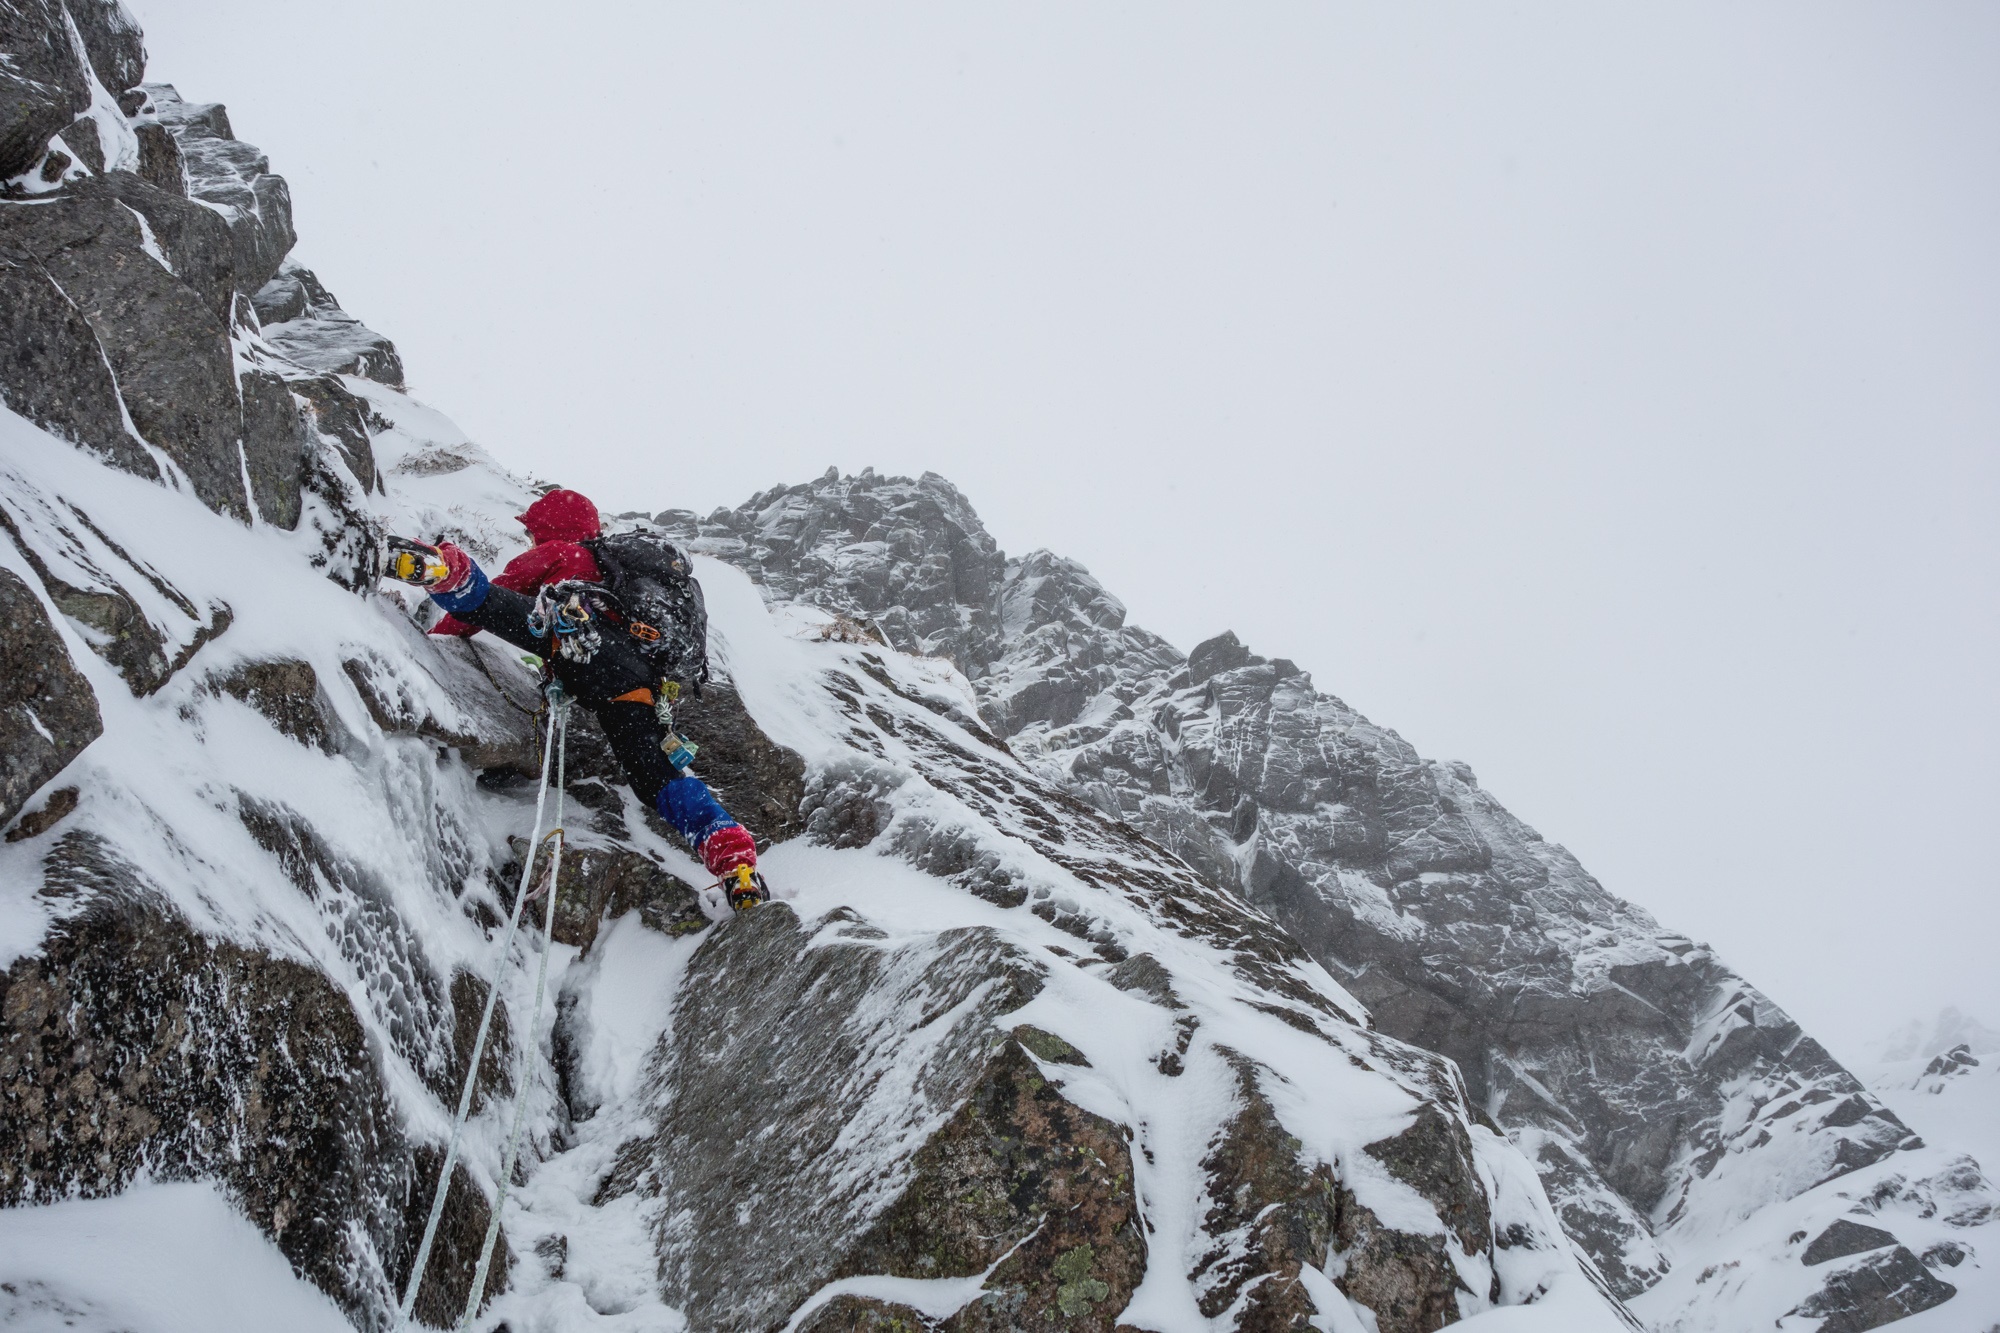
(1109, 986)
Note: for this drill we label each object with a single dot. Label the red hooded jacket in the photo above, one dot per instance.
(557, 522)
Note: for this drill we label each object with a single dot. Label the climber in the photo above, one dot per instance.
(551, 600)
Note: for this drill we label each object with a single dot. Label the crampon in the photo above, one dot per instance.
(744, 888)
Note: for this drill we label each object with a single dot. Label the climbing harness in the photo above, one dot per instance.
(555, 745)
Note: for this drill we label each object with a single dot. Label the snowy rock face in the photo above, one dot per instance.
(301, 319)
(1062, 1019)
(126, 324)
(1076, 1085)
(1667, 1105)
(233, 178)
(1943, 1078)
(44, 82)
(914, 558)
(994, 1061)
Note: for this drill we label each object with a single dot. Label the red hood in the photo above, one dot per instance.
(561, 516)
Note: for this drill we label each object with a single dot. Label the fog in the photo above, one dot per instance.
(1606, 396)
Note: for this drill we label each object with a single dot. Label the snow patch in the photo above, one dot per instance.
(155, 1259)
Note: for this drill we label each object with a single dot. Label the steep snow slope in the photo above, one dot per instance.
(1667, 1104)
(149, 1260)
(1943, 1079)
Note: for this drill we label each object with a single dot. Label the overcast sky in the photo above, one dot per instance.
(1608, 396)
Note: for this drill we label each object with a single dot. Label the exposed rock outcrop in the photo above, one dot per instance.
(52, 370)
(112, 40)
(1025, 1184)
(1270, 1213)
(44, 82)
(1878, 1290)
(235, 179)
(287, 692)
(48, 712)
(163, 338)
(130, 615)
(125, 323)
(772, 1007)
(134, 1046)
(763, 783)
(908, 558)
(302, 319)
(606, 882)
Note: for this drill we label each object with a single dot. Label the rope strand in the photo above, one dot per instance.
(528, 1044)
(558, 710)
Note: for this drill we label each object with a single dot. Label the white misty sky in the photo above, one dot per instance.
(1608, 396)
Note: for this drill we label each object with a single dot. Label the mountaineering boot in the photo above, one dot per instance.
(746, 889)
(730, 854)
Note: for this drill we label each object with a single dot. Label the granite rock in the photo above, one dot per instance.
(48, 712)
(161, 337)
(193, 1059)
(52, 370)
(302, 319)
(44, 85)
(112, 40)
(235, 179)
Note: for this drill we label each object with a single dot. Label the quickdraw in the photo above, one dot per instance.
(679, 750)
(563, 611)
(550, 864)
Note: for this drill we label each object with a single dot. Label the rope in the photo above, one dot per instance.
(528, 1043)
(558, 712)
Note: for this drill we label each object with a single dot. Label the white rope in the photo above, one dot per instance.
(557, 709)
(529, 1043)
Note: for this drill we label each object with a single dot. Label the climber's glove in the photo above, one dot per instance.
(458, 567)
(463, 587)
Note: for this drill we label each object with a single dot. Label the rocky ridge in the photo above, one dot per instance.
(1666, 1103)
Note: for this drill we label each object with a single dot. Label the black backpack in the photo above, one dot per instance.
(660, 602)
